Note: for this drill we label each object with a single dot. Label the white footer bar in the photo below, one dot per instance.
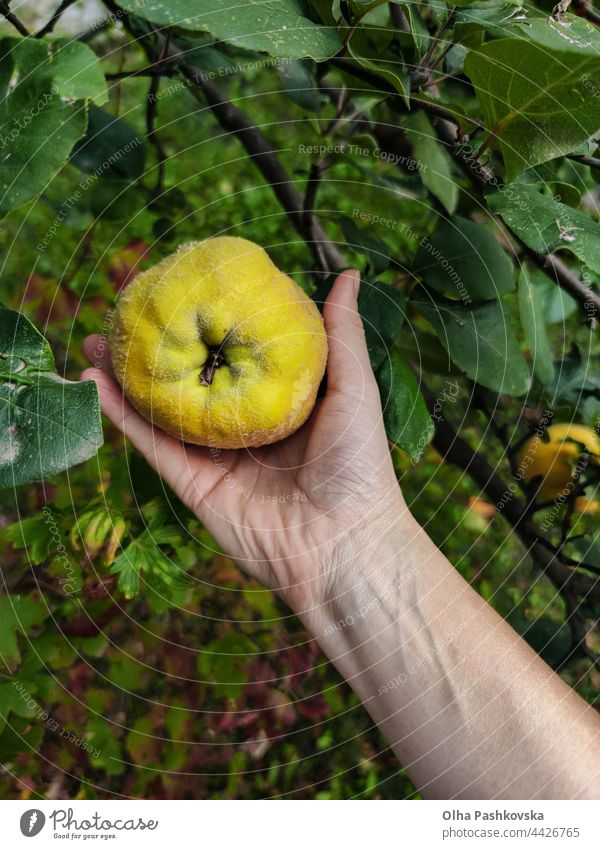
(301, 824)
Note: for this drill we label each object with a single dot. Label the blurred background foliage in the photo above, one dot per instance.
(206, 686)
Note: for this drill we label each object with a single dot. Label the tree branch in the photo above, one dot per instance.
(457, 451)
(45, 30)
(232, 119)
(12, 18)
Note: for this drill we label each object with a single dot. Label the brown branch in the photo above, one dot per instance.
(261, 153)
(584, 9)
(266, 160)
(590, 161)
(481, 177)
(12, 18)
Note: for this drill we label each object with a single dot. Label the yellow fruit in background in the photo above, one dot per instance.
(218, 347)
(556, 458)
(586, 505)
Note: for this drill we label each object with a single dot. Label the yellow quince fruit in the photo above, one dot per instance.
(555, 459)
(218, 347)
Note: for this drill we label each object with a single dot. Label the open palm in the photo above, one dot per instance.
(285, 511)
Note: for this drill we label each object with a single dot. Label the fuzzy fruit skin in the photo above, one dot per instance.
(223, 294)
(555, 459)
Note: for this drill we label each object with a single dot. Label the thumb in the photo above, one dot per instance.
(348, 364)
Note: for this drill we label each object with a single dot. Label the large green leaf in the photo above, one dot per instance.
(18, 615)
(382, 309)
(407, 420)
(277, 27)
(110, 148)
(533, 319)
(537, 91)
(361, 240)
(481, 342)
(545, 225)
(495, 16)
(462, 259)
(390, 68)
(43, 113)
(435, 161)
(47, 424)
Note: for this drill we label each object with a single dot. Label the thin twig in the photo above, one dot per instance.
(591, 161)
(308, 212)
(154, 71)
(435, 39)
(55, 18)
(12, 18)
(151, 112)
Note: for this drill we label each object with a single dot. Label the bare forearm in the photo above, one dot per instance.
(468, 707)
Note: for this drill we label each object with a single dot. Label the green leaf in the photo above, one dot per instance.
(436, 170)
(533, 319)
(110, 148)
(18, 615)
(462, 259)
(144, 557)
(75, 69)
(418, 30)
(545, 225)
(299, 85)
(382, 309)
(363, 242)
(407, 421)
(391, 70)
(481, 342)
(104, 748)
(494, 16)
(277, 27)
(15, 701)
(225, 661)
(532, 90)
(47, 424)
(33, 535)
(574, 379)
(41, 115)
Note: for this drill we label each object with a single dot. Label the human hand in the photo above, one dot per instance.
(293, 512)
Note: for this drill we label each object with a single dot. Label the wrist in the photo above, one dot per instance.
(371, 572)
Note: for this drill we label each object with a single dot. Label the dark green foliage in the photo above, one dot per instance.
(136, 657)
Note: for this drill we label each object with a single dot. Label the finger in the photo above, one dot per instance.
(190, 473)
(348, 365)
(96, 349)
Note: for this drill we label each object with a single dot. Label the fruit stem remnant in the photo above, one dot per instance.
(214, 360)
